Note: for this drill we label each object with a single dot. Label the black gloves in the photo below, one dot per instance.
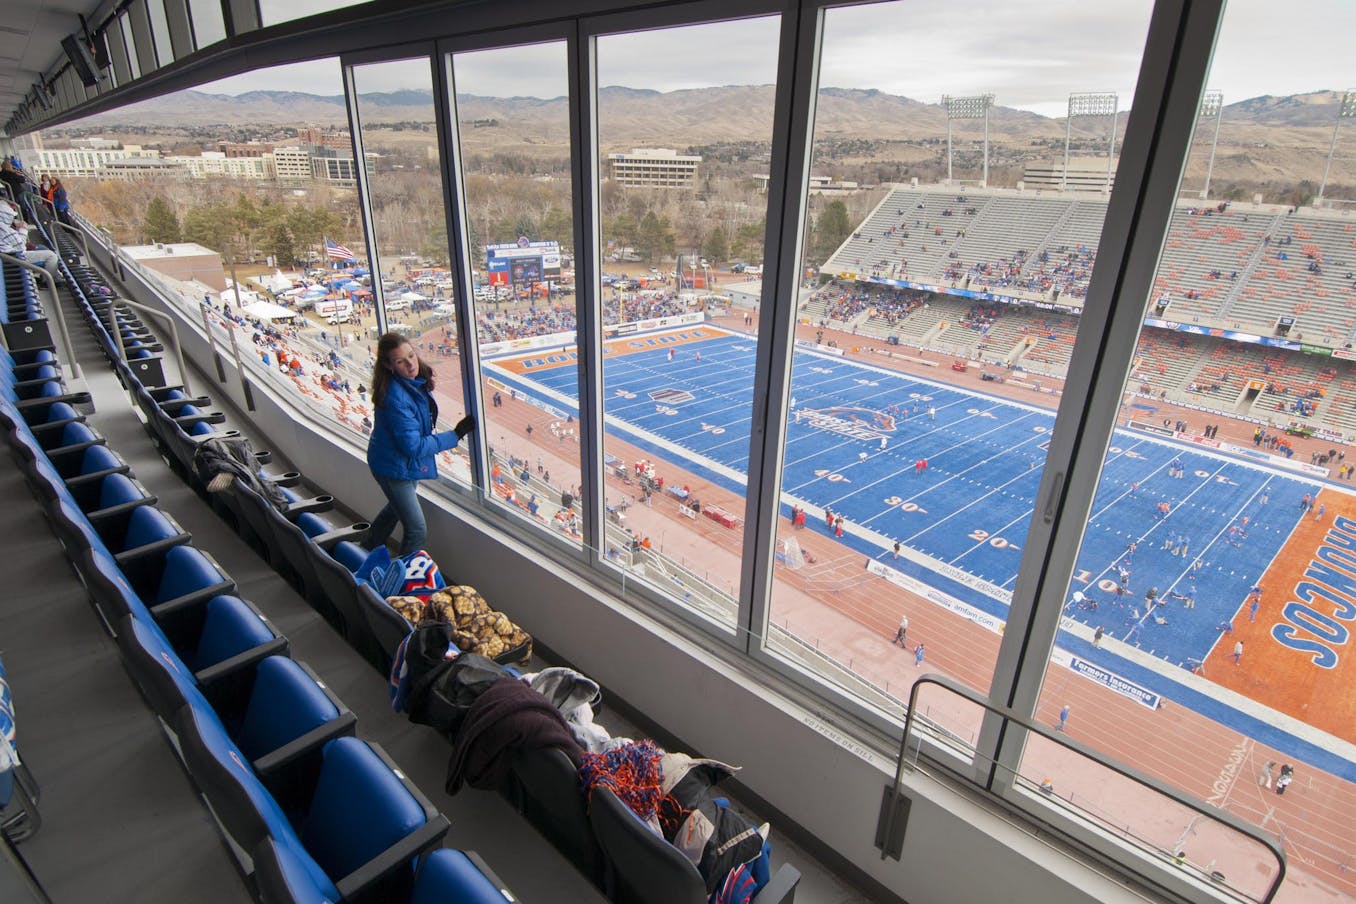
(464, 426)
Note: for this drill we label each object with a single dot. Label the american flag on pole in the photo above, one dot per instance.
(338, 252)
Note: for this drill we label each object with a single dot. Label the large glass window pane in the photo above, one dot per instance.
(400, 142)
(680, 206)
(274, 12)
(943, 277)
(208, 25)
(515, 153)
(125, 26)
(164, 50)
(1207, 637)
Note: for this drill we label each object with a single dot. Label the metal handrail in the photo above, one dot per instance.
(84, 239)
(988, 785)
(168, 320)
(56, 309)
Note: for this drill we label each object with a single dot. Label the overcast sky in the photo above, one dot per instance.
(1008, 48)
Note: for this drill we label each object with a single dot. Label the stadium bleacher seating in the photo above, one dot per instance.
(1221, 267)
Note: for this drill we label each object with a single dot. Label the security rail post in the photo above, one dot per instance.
(894, 805)
(174, 336)
(211, 340)
(56, 309)
(239, 367)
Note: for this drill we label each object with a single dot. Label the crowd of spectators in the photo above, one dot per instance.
(842, 302)
(499, 326)
(641, 306)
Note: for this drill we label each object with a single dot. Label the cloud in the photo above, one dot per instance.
(1030, 54)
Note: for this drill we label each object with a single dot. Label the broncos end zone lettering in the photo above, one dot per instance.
(1324, 600)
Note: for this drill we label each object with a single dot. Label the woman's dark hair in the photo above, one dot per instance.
(381, 374)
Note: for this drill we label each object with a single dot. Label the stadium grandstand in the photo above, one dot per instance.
(1006, 555)
(1229, 273)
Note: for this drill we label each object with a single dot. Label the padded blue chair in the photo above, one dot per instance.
(233, 639)
(183, 578)
(51, 417)
(462, 876)
(74, 436)
(91, 463)
(349, 554)
(188, 580)
(224, 633)
(279, 712)
(144, 533)
(352, 830)
(23, 361)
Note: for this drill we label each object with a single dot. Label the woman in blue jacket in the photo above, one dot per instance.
(61, 202)
(403, 447)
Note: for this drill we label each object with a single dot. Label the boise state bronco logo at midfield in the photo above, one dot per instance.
(855, 422)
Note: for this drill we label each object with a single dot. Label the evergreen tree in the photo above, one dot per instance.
(716, 247)
(209, 225)
(278, 243)
(654, 238)
(161, 223)
(558, 226)
(831, 229)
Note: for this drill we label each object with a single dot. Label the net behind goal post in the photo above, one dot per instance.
(791, 554)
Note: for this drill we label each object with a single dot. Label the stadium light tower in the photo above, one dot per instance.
(1090, 105)
(1212, 105)
(973, 107)
(1346, 111)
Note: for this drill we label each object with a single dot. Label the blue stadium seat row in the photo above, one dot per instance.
(268, 744)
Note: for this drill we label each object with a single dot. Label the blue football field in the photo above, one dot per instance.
(858, 433)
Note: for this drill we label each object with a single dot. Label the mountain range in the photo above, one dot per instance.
(700, 115)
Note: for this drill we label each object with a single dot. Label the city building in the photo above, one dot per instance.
(217, 164)
(291, 163)
(66, 163)
(655, 168)
(184, 261)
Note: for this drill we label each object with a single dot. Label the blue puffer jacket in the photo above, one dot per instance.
(403, 445)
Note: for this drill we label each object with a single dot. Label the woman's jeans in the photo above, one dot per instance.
(402, 504)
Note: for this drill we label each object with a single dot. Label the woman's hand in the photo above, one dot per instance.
(464, 426)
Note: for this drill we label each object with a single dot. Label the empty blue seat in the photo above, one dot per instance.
(352, 830)
(285, 705)
(90, 463)
(166, 678)
(72, 435)
(349, 554)
(450, 875)
(225, 628)
(178, 579)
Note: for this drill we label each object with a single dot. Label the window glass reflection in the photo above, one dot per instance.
(946, 260)
(682, 222)
(514, 128)
(400, 143)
